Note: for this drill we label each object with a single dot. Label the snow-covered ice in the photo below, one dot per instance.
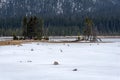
(34, 61)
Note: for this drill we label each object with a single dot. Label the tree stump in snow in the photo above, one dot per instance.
(38, 44)
(29, 61)
(32, 49)
(55, 63)
(74, 70)
(61, 50)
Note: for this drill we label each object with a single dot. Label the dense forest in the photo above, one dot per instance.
(63, 26)
(61, 17)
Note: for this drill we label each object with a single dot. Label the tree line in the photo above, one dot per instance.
(32, 28)
(63, 25)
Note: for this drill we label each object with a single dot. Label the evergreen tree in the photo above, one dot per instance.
(24, 27)
(33, 28)
(30, 28)
(40, 29)
(88, 29)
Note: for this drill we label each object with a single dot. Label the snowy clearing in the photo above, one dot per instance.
(6, 38)
(77, 61)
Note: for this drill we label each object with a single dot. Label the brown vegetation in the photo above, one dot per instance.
(15, 42)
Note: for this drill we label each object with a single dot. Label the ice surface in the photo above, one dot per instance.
(94, 61)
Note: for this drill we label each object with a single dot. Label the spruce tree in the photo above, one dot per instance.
(88, 33)
(24, 27)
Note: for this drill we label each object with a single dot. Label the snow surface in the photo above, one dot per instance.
(34, 61)
(6, 38)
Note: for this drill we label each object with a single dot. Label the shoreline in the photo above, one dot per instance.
(16, 42)
(19, 42)
(109, 36)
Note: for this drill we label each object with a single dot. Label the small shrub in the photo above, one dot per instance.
(20, 61)
(38, 44)
(78, 38)
(61, 50)
(32, 49)
(46, 38)
(35, 38)
(29, 61)
(55, 63)
(75, 70)
(21, 38)
(15, 37)
(68, 45)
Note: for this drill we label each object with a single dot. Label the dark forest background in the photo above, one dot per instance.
(61, 17)
(63, 25)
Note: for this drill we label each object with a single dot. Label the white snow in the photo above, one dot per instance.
(2, 1)
(89, 9)
(6, 38)
(59, 7)
(94, 1)
(33, 61)
(62, 38)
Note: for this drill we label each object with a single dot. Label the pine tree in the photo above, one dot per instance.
(90, 32)
(33, 28)
(30, 29)
(24, 27)
(40, 29)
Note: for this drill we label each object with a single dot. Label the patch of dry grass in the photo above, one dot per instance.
(15, 42)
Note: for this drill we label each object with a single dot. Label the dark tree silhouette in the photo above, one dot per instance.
(24, 27)
(90, 32)
(33, 28)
